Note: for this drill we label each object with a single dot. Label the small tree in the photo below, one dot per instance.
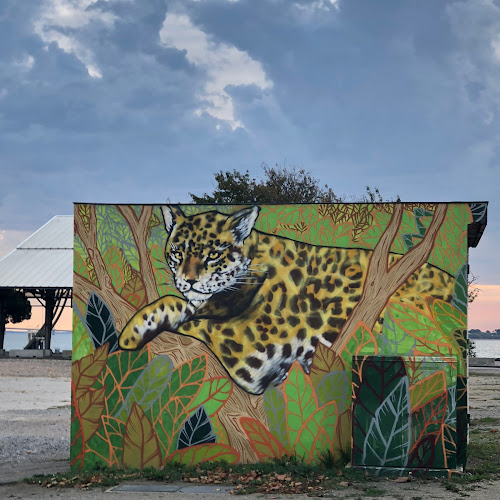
(472, 290)
(14, 308)
(279, 185)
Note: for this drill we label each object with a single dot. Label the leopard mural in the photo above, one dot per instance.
(260, 301)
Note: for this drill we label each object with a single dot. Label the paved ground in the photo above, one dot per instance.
(34, 439)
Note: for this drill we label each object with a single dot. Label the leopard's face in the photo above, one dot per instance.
(206, 252)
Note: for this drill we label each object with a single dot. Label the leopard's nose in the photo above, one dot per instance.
(191, 282)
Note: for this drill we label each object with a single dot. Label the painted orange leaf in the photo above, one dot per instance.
(140, 444)
(265, 445)
(325, 360)
(428, 419)
(85, 371)
(206, 453)
(428, 388)
(90, 407)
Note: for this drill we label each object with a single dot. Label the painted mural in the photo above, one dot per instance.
(248, 333)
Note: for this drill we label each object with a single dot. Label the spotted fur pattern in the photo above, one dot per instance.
(258, 301)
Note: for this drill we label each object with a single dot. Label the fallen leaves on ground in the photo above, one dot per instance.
(258, 482)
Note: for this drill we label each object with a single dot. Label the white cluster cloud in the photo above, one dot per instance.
(25, 63)
(59, 19)
(317, 5)
(223, 64)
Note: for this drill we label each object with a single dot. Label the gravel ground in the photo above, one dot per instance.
(35, 417)
(35, 411)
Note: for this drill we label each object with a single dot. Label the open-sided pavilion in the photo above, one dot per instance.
(42, 268)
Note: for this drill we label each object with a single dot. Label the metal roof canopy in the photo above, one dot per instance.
(42, 267)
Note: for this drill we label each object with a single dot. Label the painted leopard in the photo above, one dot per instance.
(259, 301)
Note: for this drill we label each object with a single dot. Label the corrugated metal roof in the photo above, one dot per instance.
(44, 260)
(57, 233)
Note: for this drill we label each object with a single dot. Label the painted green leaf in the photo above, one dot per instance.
(460, 290)
(374, 380)
(100, 323)
(120, 374)
(428, 388)
(450, 248)
(300, 401)
(205, 453)
(197, 429)
(318, 433)
(113, 231)
(388, 437)
(274, 405)
(82, 345)
(333, 387)
(394, 340)
(170, 410)
(428, 420)
(104, 448)
(150, 384)
(213, 394)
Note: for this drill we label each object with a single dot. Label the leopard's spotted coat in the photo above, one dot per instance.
(259, 301)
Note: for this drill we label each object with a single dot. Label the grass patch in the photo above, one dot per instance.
(484, 374)
(288, 475)
(483, 454)
(485, 421)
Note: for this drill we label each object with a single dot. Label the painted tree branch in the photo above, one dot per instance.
(139, 228)
(120, 308)
(381, 281)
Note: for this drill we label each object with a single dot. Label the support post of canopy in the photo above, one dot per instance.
(49, 316)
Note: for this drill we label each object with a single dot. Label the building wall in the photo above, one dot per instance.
(250, 333)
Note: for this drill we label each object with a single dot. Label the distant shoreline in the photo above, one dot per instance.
(475, 337)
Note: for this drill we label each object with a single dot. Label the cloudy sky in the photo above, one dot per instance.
(142, 101)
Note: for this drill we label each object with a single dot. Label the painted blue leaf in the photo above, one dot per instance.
(388, 438)
(395, 341)
(197, 429)
(478, 211)
(100, 323)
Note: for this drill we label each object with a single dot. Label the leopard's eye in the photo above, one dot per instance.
(213, 255)
(176, 256)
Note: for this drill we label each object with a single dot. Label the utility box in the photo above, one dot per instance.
(252, 332)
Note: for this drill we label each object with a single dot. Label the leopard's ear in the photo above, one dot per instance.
(241, 223)
(171, 216)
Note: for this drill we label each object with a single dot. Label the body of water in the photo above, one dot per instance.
(61, 339)
(486, 348)
(17, 339)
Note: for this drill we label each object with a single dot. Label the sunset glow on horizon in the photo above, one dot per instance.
(484, 313)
